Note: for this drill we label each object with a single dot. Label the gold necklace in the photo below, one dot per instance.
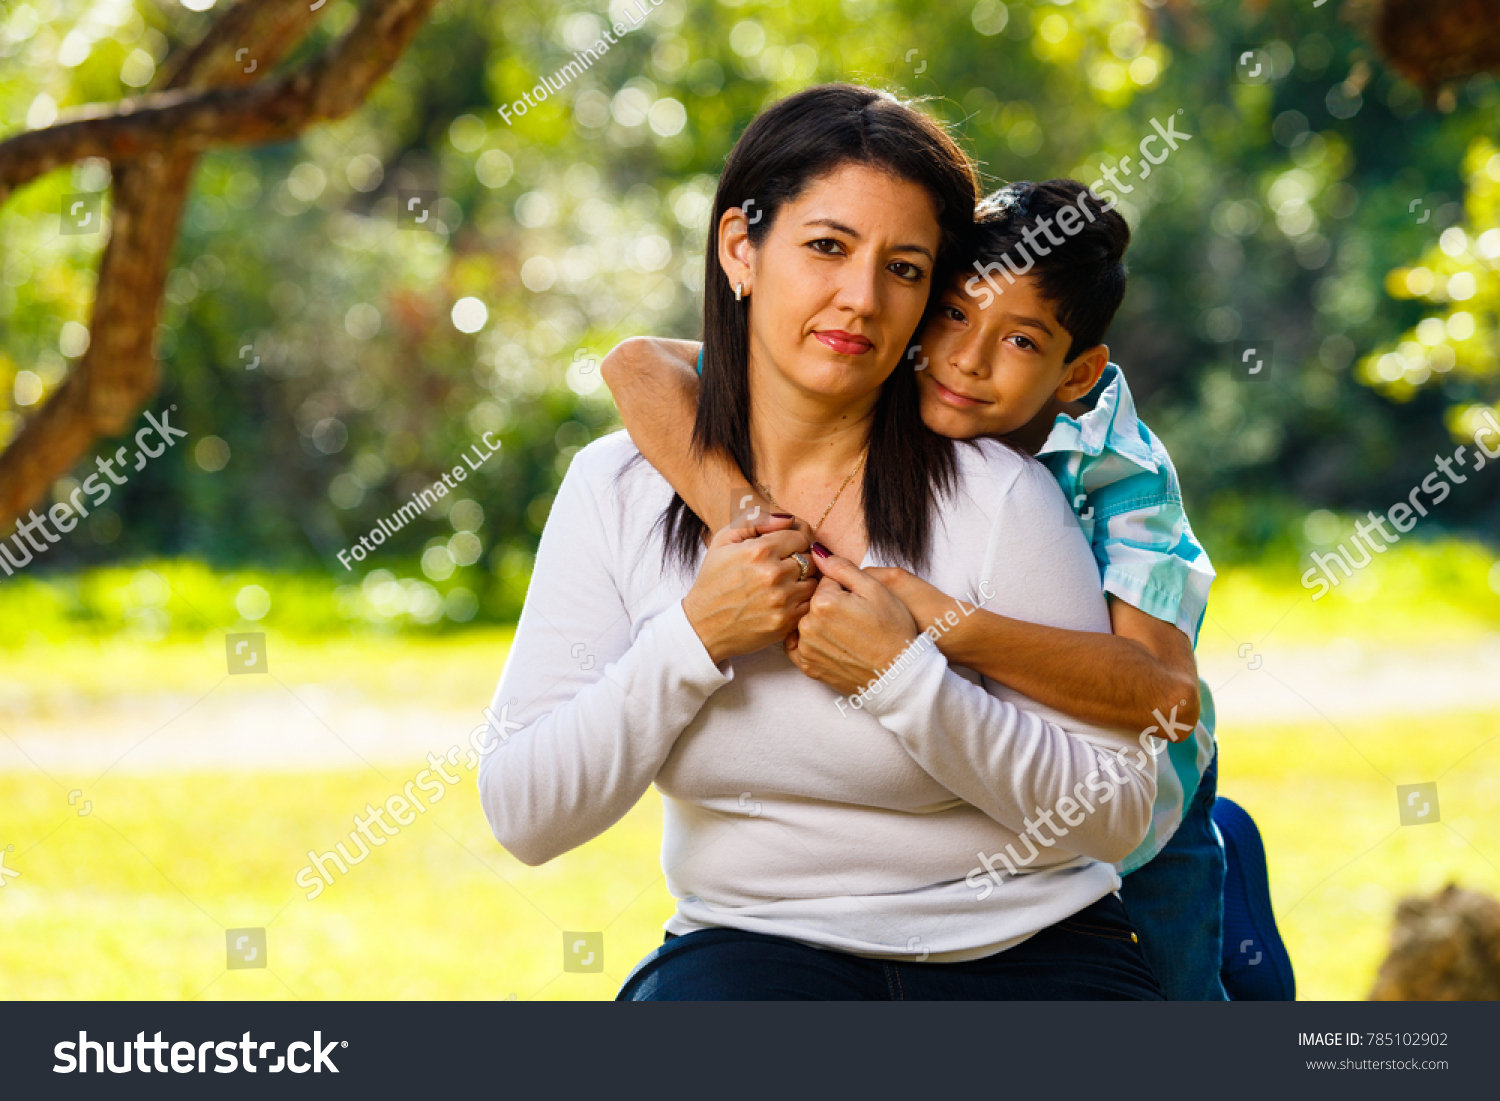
(836, 496)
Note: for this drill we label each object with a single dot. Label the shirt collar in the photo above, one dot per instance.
(1111, 424)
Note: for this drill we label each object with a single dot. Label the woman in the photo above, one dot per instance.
(822, 840)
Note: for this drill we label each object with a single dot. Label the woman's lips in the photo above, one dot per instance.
(847, 344)
(962, 401)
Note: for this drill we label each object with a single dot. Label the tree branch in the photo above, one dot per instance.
(328, 87)
(115, 376)
(266, 28)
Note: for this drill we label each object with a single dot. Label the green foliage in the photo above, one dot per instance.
(1418, 595)
(583, 221)
(184, 600)
(1420, 592)
(1288, 216)
(1453, 348)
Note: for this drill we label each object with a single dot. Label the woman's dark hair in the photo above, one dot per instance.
(1082, 279)
(784, 149)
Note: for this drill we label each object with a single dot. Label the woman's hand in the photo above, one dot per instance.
(747, 595)
(854, 628)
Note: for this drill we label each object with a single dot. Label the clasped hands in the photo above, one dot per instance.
(841, 625)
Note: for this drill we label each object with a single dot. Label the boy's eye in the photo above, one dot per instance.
(953, 313)
(1025, 343)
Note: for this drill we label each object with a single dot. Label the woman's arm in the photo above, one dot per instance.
(1032, 770)
(655, 386)
(585, 715)
(1121, 679)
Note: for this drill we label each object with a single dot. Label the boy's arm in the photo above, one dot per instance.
(655, 386)
(1115, 680)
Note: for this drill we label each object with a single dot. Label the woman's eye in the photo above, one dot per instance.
(826, 245)
(908, 271)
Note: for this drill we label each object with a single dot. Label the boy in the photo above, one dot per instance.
(1017, 352)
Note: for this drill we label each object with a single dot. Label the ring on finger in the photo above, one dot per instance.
(804, 563)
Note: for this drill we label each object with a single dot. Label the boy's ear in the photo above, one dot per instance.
(1083, 372)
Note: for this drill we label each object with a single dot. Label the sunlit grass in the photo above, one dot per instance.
(383, 668)
(1416, 594)
(133, 899)
(1325, 800)
(182, 599)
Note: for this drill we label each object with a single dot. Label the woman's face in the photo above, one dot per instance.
(839, 283)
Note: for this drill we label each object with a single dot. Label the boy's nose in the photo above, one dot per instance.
(970, 359)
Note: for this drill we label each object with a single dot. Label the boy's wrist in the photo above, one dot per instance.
(956, 640)
(980, 642)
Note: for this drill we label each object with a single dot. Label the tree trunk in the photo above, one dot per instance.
(152, 144)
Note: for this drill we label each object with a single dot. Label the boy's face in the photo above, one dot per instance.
(991, 371)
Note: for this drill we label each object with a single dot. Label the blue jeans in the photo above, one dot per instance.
(1176, 901)
(1091, 956)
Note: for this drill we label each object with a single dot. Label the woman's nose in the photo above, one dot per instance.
(859, 289)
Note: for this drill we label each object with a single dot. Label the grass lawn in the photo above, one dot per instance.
(1339, 858)
(133, 900)
(135, 903)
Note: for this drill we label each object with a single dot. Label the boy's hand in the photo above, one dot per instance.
(925, 602)
(854, 628)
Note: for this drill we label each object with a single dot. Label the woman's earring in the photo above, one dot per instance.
(739, 291)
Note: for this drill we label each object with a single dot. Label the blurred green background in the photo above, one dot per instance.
(1322, 206)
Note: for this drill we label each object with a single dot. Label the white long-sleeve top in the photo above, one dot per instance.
(862, 830)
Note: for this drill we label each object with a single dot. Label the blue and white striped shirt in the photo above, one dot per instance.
(1124, 491)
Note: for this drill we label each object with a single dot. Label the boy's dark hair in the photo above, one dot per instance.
(1083, 279)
